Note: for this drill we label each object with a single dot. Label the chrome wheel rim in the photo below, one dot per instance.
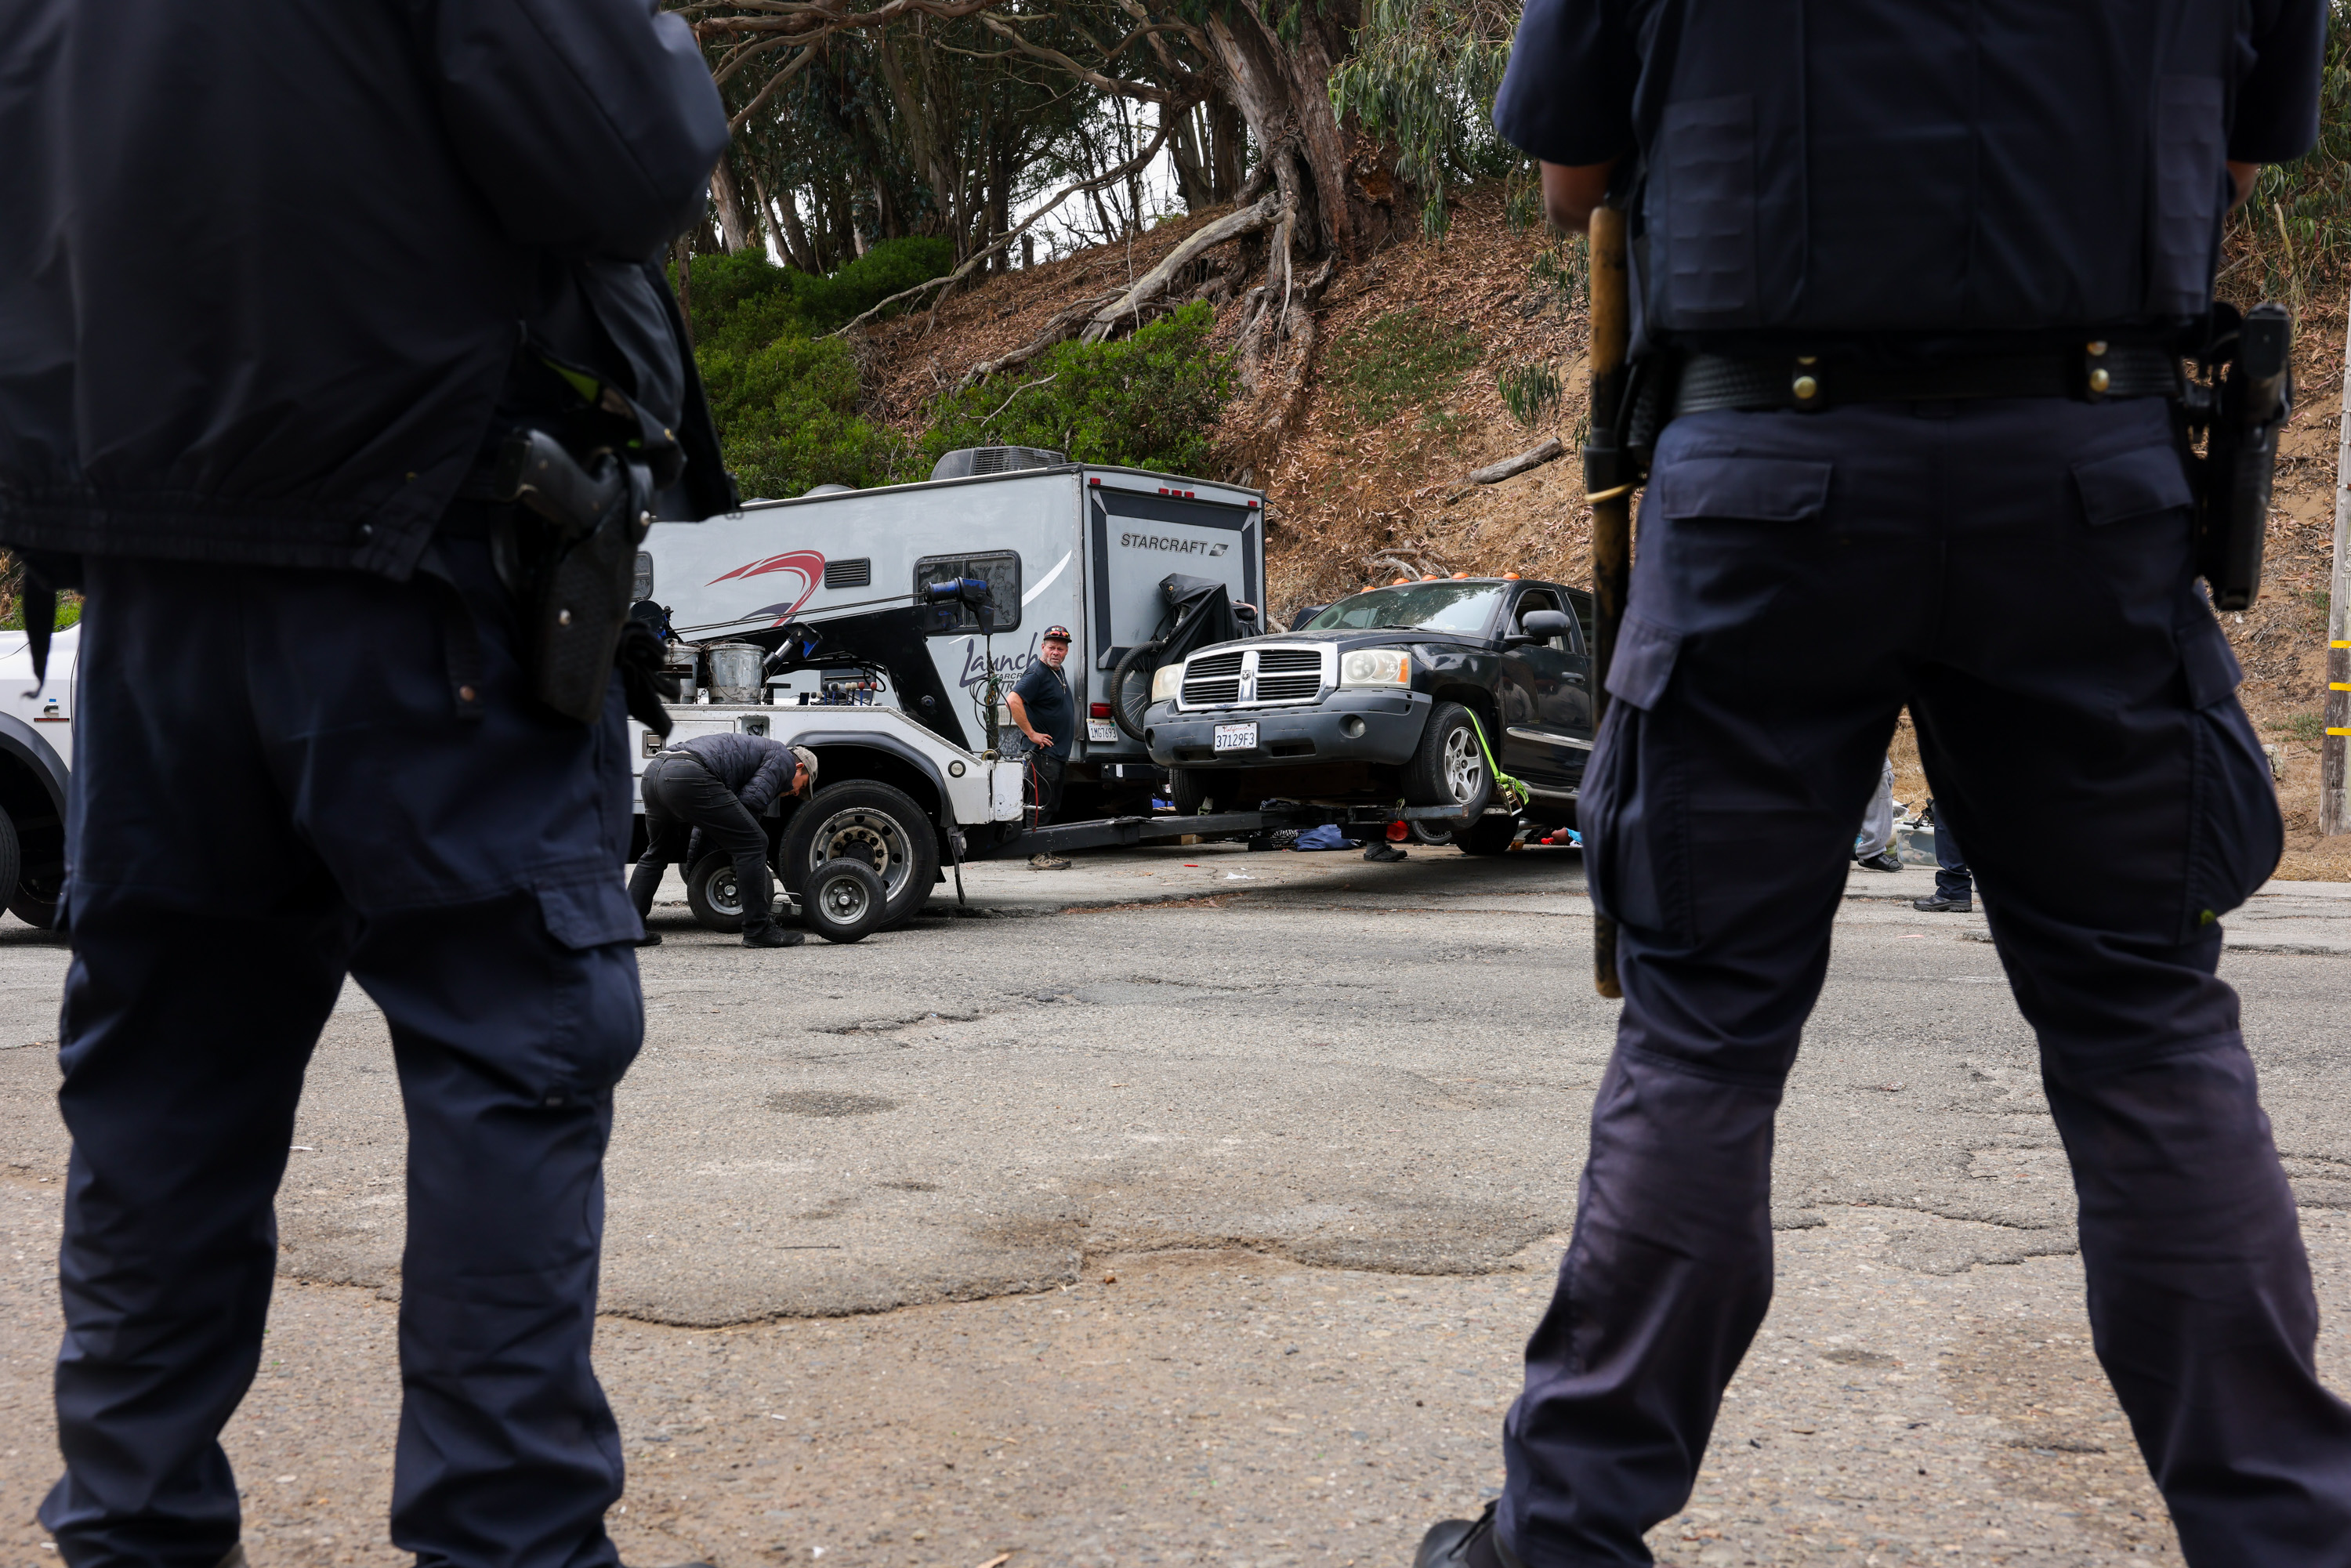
(1465, 770)
(724, 892)
(870, 837)
(844, 900)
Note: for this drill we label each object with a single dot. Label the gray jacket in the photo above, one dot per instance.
(756, 768)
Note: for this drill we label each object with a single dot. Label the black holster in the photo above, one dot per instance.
(2240, 410)
(566, 547)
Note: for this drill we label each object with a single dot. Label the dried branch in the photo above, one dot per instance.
(1133, 166)
(1248, 220)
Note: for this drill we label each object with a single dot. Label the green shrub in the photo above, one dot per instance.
(1399, 361)
(744, 301)
(892, 267)
(69, 613)
(1148, 402)
(788, 418)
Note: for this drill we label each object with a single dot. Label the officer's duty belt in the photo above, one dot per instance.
(2092, 373)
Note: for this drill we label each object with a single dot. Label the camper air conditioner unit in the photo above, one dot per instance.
(965, 461)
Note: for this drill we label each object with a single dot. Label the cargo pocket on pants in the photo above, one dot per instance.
(1632, 808)
(2234, 833)
(597, 1024)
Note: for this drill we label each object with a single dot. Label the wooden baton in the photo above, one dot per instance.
(1607, 480)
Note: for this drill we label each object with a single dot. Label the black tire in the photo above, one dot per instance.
(1448, 767)
(1435, 834)
(711, 892)
(860, 819)
(1486, 836)
(1129, 710)
(843, 900)
(1187, 789)
(11, 866)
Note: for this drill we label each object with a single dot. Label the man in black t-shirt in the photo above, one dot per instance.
(1041, 706)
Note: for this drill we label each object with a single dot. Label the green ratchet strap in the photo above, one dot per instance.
(1514, 793)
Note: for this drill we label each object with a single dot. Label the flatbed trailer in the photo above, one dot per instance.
(915, 805)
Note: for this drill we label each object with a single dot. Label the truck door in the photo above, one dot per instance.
(1546, 700)
(1136, 539)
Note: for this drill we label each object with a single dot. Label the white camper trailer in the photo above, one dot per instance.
(1066, 544)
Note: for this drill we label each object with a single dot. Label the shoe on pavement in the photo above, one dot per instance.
(1941, 904)
(1048, 862)
(1883, 860)
(1386, 852)
(773, 936)
(1464, 1544)
(650, 939)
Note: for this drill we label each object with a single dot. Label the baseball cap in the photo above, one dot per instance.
(806, 758)
(1056, 635)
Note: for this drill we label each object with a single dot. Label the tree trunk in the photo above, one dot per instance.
(733, 228)
(1228, 148)
(1283, 91)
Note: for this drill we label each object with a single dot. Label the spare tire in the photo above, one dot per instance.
(843, 901)
(862, 819)
(1448, 767)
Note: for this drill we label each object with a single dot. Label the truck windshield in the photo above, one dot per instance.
(1462, 606)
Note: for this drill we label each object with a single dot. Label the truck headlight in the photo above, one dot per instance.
(1166, 681)
(1376, 667)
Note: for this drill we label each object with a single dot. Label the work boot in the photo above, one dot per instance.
(650, 939)
(1048, 862)
(1464, 1544)
(1943, 903)
(1384, 851)
(1883, 860)
(772, 937)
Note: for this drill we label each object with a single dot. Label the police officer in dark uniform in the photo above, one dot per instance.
(281, 279)
(720, 785)
(1919, 276)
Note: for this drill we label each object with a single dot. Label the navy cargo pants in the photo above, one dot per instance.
(273, 792)
(2019, 574)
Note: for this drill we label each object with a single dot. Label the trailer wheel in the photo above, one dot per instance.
(1486, 835)
(843, 900)
(1448, 766)
(861, 820)
(714, 894)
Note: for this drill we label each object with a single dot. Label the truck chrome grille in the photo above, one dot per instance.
(1213, 680)
(1289, 674)
(1256, 677)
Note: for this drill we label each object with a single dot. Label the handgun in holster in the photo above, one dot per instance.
(568, 549)
(2239, 408)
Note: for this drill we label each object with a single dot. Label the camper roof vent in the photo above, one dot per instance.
(965, 461)
(826, 490)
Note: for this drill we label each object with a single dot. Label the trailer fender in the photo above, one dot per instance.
(25, 746)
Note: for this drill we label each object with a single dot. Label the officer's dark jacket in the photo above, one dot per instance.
(1852, 166)
(264, 264)
(756, 768)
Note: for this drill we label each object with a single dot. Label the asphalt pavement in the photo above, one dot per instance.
(1191, 1206)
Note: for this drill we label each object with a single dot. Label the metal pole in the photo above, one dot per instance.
(1612, 504)
(2334, 810)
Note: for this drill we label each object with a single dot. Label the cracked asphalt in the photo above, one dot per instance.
(1322, 1122)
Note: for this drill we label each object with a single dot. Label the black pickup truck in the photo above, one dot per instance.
(1381, 697)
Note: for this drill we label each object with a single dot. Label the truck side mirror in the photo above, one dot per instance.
(1540, 626)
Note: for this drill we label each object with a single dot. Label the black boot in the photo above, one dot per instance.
(771, 935)
(1464, 1544)
(1944, 904)
(1883, 860)
(650, 939)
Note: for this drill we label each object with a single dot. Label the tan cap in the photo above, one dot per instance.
(806, 759)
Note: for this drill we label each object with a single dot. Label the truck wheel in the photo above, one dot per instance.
(1188, 789)
(11, 866)
(714, 894)
(861, 820)
(1448, 766)
(1486, 835)
(843, 900)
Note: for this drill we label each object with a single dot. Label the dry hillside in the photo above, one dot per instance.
(1370, 466)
